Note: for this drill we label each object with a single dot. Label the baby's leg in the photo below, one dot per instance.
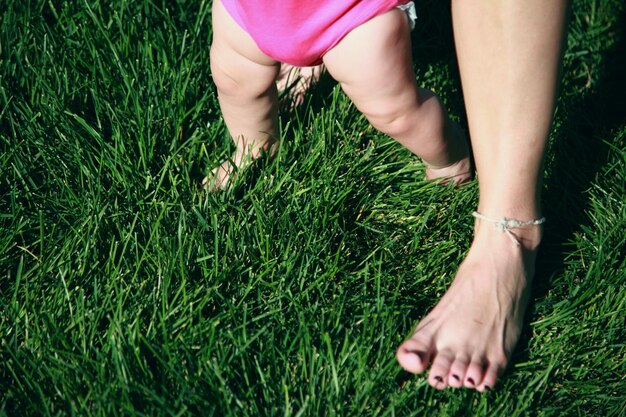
(245, 79)
(373, 64)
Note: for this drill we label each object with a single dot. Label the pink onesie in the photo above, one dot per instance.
(300, 32)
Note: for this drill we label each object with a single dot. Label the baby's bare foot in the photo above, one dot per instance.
(460, 170)
(470, 334)
(296, 81)
(222, 176)
(457, 173)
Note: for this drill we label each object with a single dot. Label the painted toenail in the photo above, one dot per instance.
(439, 379)
(455, 377)
(487, 388)
(471, 381)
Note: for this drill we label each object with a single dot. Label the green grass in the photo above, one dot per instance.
(125, 290)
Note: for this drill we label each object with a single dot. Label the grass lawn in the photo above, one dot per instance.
(126, 290)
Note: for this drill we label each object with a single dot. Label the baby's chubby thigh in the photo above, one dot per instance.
(237, 63)
(374, 67)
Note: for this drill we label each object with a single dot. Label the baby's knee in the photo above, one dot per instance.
(225, 78)
(234, 77)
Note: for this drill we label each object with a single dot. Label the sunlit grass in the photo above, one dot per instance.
(127, 290)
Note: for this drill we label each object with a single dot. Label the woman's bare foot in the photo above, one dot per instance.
(470, 334)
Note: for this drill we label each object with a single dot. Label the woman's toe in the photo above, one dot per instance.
(456, 377)
(474, 374)
(438, 373)
(491, 376)
(414, 354)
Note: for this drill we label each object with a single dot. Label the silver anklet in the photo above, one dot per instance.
(505, 225)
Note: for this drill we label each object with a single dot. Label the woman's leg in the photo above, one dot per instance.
(245, 79)
(509, 56)
(373, 65)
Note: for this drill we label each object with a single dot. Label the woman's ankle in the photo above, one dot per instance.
(525, 232)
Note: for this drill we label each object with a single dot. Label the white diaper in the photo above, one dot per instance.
(411, 14)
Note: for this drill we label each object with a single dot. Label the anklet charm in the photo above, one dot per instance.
(505, 224)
